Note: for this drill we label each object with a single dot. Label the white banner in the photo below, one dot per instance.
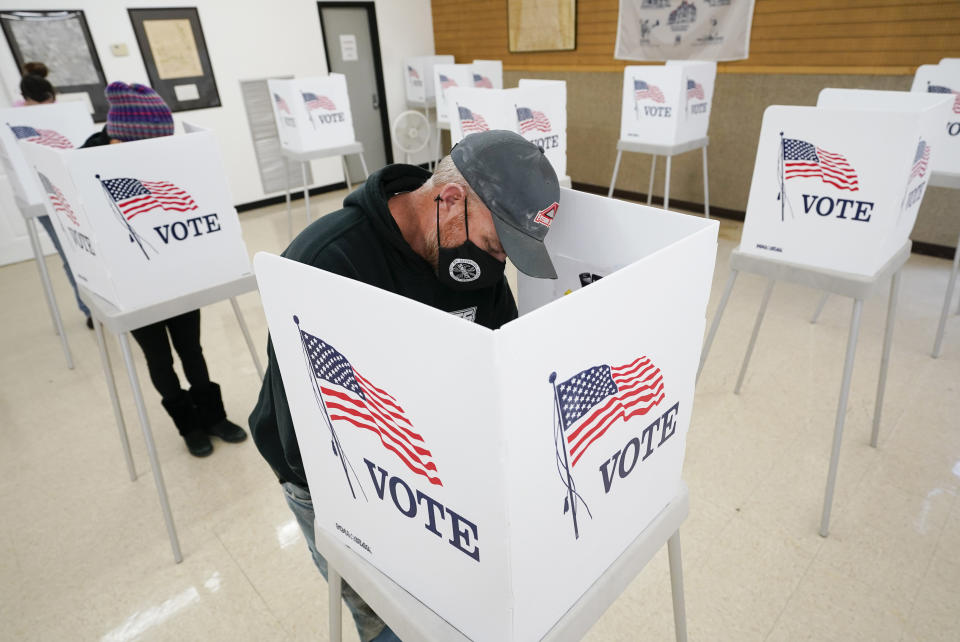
(312, 113)
(537, 110)
(64, 125)
(144, 222)
(457, 477)
(829, 192)
(694, 30)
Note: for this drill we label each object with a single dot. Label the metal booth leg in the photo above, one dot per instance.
(286, 170)
(676, 587)
(653, 170)
(885, 358)
(306, 189)
(334, 586)
(841, 414)
(616, 169)
(112, 389)
(820, 306)
(753, 336)
(947, 300)
(151, 447)
(346, 172)
(363, 164)
(716, 320)
(666, 185)
(48, 291)
(706, 185)
(246, 336)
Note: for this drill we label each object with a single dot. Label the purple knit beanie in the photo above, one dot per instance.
(136, 112)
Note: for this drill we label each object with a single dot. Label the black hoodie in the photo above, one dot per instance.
(362, 241)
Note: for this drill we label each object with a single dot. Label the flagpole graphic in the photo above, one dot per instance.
(560, 442)
(335, 440)
(782, 196)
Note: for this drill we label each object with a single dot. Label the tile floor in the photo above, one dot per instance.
(85, 557)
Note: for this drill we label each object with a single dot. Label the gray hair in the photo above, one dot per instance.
(447, 172)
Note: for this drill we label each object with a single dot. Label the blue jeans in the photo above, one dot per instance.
(369, 625)
(48, 226)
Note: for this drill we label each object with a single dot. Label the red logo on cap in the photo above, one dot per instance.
(545, 216)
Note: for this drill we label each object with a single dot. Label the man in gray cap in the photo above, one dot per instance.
(442, 240)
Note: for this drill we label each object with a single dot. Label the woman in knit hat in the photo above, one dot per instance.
(137, 112)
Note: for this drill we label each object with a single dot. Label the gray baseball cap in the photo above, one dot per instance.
(516, 182)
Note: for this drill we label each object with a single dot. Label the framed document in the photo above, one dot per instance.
(542, 25)
(175, 55)
(61, 40)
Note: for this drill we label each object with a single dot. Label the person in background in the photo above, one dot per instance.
(37, 90)
(137, 112)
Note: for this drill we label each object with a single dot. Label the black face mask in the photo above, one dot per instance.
(466, 267)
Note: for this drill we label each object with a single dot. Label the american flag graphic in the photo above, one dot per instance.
(471, 121)
(531, 119)
(940, 89)
(595, 399)
(479, 80)
(60, 203)
(920, 160)
(281, 104)
(313, 102)
(412, 73)
(694, 89)
(46, 137)
(641, 91)
(348, 396)
(447, 82)
(134, 196)
(805, 160)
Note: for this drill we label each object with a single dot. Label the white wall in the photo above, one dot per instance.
(245, 39)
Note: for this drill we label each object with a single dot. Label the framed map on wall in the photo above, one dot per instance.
(175, 55)
(542, 25)
(61, 40)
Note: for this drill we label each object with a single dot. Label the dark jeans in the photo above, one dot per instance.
(184, 332)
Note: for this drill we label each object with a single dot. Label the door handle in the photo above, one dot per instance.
(376, 101)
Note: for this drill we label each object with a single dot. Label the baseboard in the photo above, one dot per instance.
(298, 194)
(919, 247)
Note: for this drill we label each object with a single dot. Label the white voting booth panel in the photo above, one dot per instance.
(943, 80)
(445, 77)
(59, 125)
(537, 110)
(312, 113)
(667, 104)
(418, 77)
(435, 447)
(146, 221)
(488, 74)
(829, 192)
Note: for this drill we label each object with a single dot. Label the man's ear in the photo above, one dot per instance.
(451, 194)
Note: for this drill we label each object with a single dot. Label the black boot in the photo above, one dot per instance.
(187, 420)
(213, 417)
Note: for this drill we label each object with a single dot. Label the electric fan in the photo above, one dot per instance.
(411, 131)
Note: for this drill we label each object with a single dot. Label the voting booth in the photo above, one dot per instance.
(537, 110)
(943, 80)
(58, 126)
(145, 221)
(418, 78)
(312, 113)
(667, 104)
(481, 74)
(495, 475)
(665, 111)
(829, 192)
